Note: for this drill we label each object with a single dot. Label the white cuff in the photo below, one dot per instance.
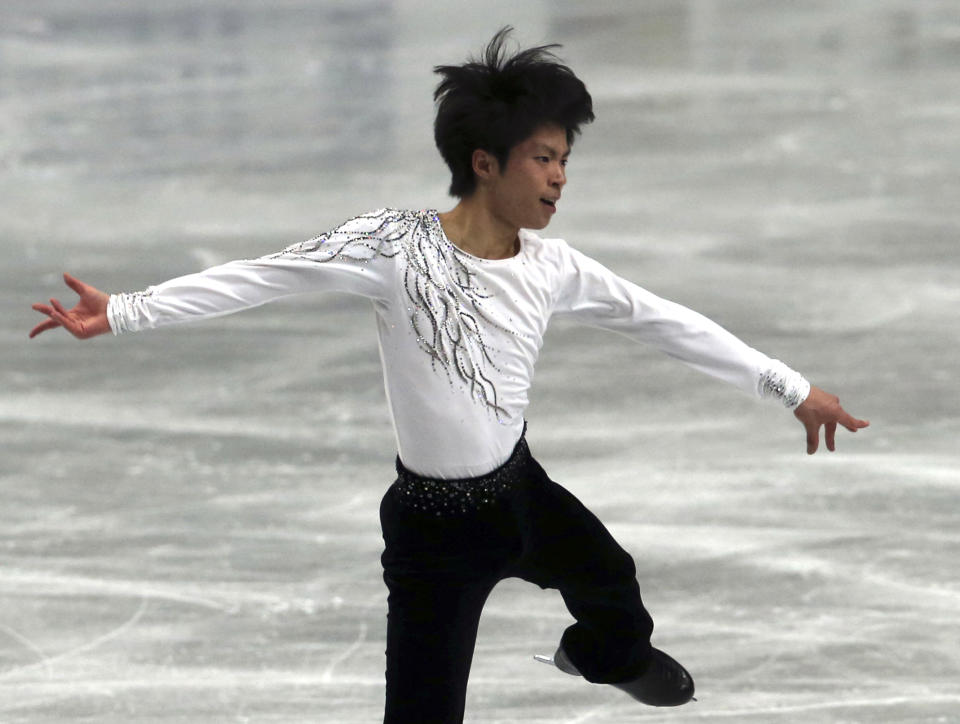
(113, 316)
(127, 313)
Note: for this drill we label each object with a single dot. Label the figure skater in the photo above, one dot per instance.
(462, 300)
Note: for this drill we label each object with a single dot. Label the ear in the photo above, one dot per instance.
(485, 164)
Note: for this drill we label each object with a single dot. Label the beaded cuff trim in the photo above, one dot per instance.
(790, 387)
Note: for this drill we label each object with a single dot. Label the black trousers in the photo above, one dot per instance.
(440, 568)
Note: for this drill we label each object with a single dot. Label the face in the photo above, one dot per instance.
(525, 192)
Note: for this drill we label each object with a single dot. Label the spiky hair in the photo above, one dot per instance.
(498, 101)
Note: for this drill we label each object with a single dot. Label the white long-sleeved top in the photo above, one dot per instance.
(459, 335)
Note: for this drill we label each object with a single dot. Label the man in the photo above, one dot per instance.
(462, 300)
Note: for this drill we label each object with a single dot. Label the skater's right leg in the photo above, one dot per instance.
(431, 631)
(439, 570)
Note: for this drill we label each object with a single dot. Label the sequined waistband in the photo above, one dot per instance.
(441, 497)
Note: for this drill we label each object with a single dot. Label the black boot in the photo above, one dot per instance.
(664, 682)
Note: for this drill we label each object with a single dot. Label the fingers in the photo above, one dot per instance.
(852, 424)
(830, 432)
(813, 438)
(59, 315)
(79, 321)
(75, 284)
(823, 408)
(58, 307)
(60, 319)
(43, 327)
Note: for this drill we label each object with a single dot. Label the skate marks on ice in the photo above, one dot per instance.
(51, 681)
(46, 663)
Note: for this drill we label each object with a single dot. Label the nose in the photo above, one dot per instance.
(559, 177)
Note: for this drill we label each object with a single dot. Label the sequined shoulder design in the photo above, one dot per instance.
(444, 300)
(360, 239)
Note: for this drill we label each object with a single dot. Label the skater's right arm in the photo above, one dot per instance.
(353, 258)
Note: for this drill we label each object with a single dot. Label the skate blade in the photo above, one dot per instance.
(549, 660)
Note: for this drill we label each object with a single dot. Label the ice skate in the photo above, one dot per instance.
(664, 683)
(559, 660)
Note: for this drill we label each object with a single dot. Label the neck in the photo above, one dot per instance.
(474, 228)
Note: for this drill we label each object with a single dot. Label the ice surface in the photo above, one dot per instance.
(188, 527)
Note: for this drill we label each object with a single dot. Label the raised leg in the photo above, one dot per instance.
(566, 547)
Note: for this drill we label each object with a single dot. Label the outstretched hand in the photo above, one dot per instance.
(822, 408)
(87, 319)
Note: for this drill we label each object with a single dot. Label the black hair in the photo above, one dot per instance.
(498, 101)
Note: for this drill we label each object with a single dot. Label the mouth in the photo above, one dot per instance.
(551, 203)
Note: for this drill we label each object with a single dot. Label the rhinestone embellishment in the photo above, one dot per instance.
(445, 498)
(444, 301)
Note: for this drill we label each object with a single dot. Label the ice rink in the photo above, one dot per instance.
(188, 517)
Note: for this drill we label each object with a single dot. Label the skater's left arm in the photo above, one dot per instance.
(592, 294)
(823, 409)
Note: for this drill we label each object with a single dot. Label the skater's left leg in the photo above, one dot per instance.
(566, 547)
